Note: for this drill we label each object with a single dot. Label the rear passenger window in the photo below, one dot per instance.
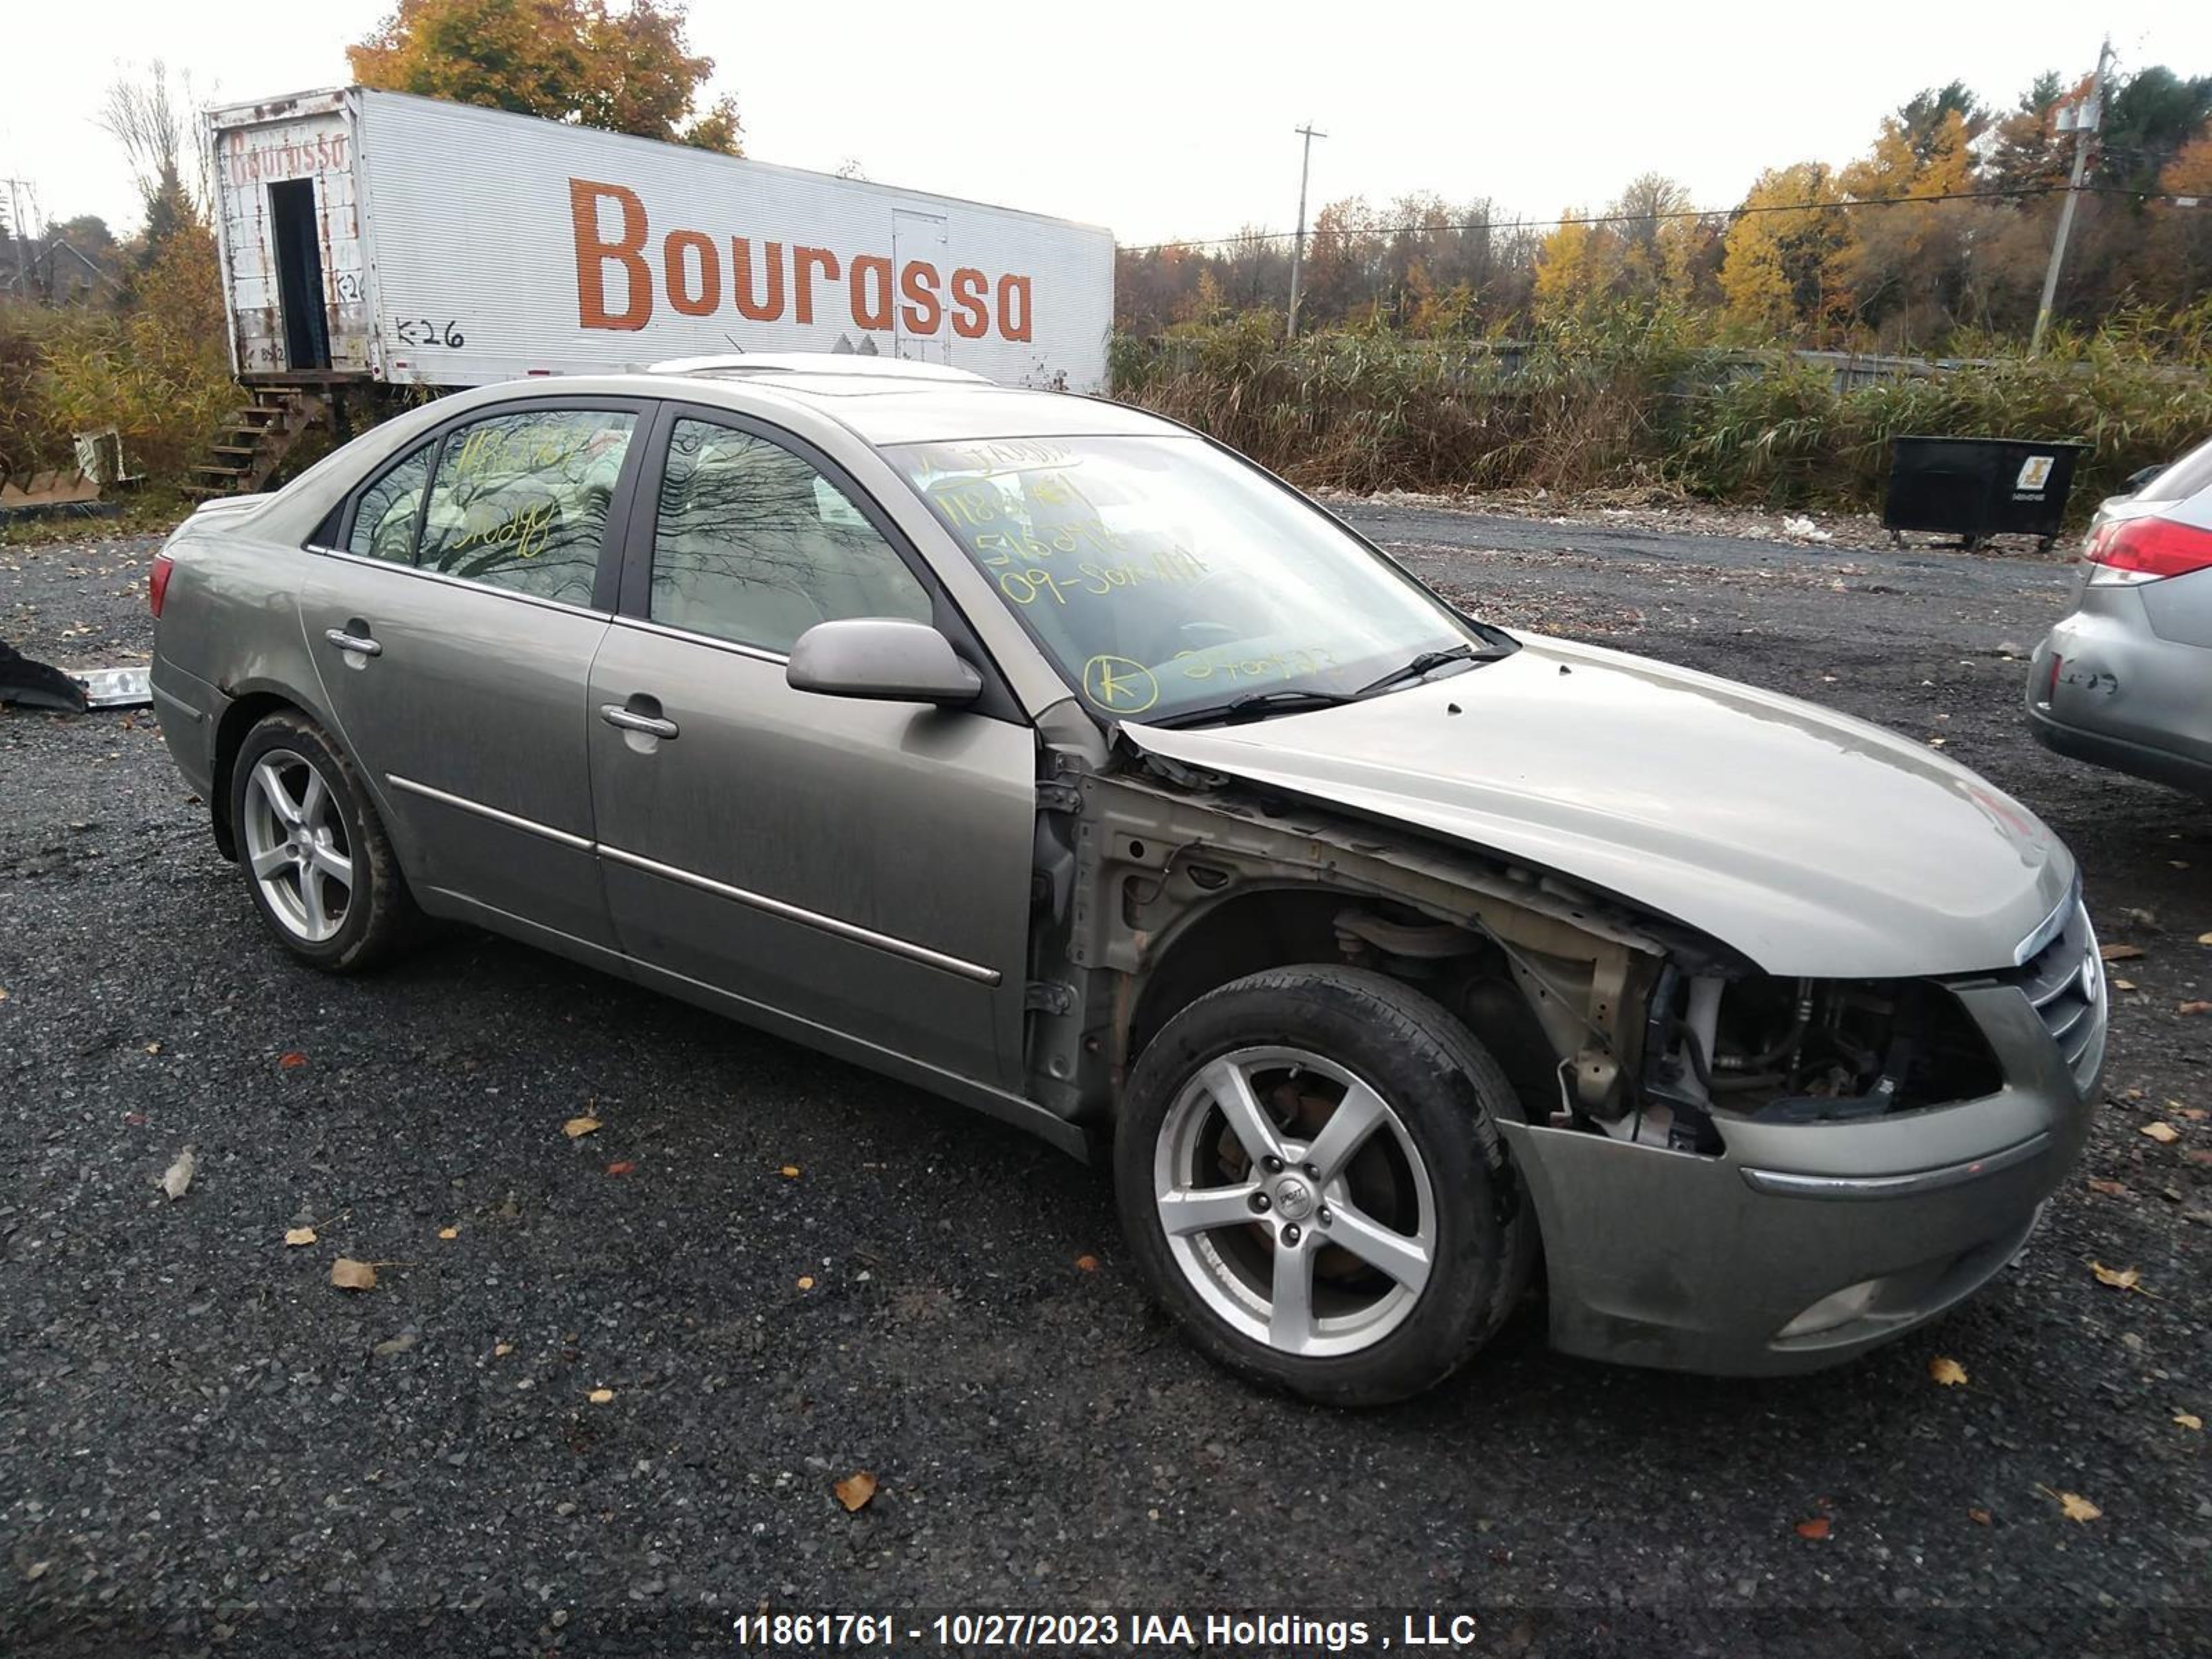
(519, 502)
(383, 524)
(754, 545)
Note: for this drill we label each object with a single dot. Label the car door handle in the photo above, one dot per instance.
(630, 721)
(360, 642)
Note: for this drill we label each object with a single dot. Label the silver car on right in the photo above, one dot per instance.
(2124, 680)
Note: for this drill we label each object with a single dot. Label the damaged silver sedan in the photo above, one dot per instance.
(1049, 757)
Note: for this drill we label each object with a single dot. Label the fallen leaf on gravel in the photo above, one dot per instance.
(2202, 938)
(298, 1236)
(1087, 1264)
(4, 993)
(2124, 985)
(789, 1172)
(600, 1397)
(1979, 1517)
(620, 1166)
(855, 1491)
(179, 1175)
(1948, 1372)
(2192, 1007)
(2164, 1133)
(349, 1274)
(2120, 1278)
(2119, 952)
(806, 1282)
(449, 1232)
(292, 1062)
(576, 1127)
(2078, 1508)
(2194, 1114)
(153, 1048)
(2189, 1420)
(500, 1350)
(36, 1571)
(1937, 743)
(2110, 1189)
(1816, 1528)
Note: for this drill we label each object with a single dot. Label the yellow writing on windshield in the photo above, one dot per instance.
(1119, 684)
(1172, 567)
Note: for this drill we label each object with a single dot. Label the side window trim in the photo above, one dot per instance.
(607, 573)
(633, 602)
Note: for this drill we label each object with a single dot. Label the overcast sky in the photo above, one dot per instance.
(1175, 120)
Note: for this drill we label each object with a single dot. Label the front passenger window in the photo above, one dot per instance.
(755, 546)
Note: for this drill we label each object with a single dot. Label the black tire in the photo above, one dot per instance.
(378, 918)
(1446, 1093)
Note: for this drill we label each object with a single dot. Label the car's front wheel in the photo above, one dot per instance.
(317, 860)
(1309, 1173)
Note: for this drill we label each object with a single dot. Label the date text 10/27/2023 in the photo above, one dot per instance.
(1257, 1632)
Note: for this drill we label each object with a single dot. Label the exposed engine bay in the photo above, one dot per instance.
(1154, 888)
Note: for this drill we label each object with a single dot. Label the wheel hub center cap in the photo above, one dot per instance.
(1294, 1200)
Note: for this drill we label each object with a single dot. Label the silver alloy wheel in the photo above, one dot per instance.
(296, 846)
(1295, 1201)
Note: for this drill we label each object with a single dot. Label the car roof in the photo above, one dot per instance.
(892, 400)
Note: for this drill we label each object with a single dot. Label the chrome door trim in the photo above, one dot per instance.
(460, 582)
(1783, 1183)
(757, 653)
(462, 803)
(898, 947)
(814, 918)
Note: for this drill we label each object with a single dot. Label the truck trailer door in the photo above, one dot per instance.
(919, 238)
(298, 251)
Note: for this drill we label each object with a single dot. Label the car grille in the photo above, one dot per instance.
(2065, 981)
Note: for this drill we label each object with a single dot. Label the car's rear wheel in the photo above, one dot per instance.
(316, 858)
(1309, 1172)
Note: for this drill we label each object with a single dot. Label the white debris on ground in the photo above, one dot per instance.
(1805, 529)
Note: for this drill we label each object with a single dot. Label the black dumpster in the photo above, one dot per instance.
(1977, 487)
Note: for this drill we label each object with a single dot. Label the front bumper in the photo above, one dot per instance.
(1805, 1244)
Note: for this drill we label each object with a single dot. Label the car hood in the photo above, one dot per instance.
(1813, 843)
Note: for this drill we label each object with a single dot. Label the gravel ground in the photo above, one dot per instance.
(203, 1446)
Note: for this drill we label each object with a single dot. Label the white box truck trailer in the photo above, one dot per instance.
(376, 237)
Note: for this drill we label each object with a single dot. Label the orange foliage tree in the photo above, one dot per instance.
(627, 70)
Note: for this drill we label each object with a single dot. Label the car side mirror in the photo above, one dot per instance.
(882, 659)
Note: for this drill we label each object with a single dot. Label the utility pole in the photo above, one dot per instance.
(2084, 117)
(1298, 247)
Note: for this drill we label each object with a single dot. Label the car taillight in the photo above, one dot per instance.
(157, 583)
(2150, 548)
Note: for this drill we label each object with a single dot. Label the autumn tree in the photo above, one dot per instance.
(591, 63)
(1574, 268)
(1783, 264)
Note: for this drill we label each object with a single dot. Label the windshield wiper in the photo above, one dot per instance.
(1255, 705)
(1426, 663)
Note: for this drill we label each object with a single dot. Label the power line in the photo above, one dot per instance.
(2018, 192)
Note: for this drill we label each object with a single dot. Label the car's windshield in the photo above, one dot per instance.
(1164, 576)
